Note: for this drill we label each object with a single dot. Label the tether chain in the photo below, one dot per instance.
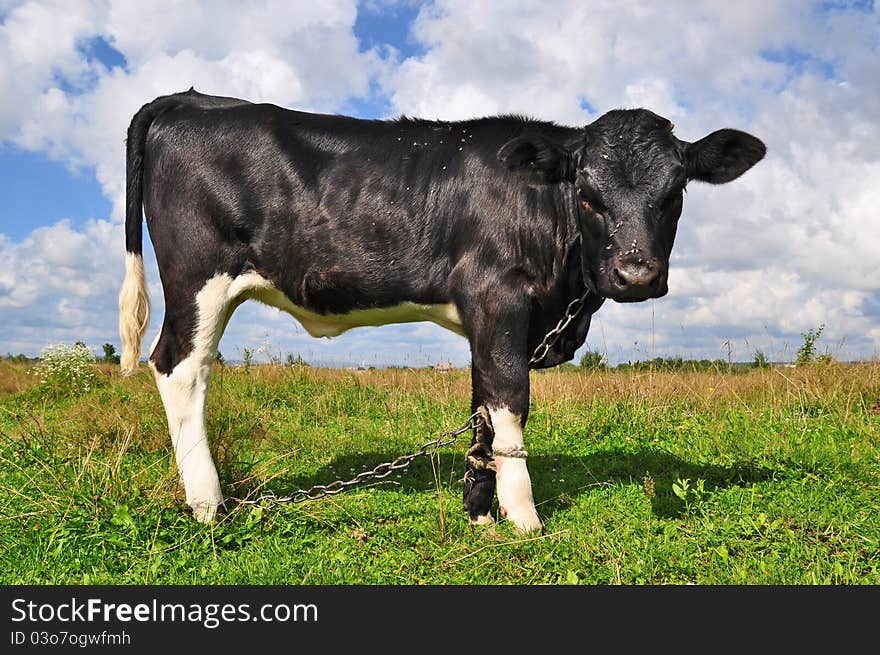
(429, 448)
(382, 470)
(574, 308)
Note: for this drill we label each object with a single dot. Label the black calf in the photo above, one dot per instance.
(488, 227)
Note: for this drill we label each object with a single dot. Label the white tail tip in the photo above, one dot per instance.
(134, 312)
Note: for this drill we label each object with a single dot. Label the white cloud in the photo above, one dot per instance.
(38, 46)
(60, 284)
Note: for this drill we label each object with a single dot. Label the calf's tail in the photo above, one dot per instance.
(134, 301)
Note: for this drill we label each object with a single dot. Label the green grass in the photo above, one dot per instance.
(767, 477)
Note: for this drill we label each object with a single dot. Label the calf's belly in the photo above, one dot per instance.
(253, 285)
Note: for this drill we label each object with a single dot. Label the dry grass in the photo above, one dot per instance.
(15, 377)
(857, 384)
(707, 386)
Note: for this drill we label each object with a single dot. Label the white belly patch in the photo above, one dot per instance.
(254, 285)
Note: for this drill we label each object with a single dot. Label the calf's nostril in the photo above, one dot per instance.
(619, 277)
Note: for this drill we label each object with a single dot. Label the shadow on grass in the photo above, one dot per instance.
(417, 478)
(556, 479)
(559, 478)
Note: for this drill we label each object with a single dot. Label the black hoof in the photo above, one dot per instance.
(479, 490)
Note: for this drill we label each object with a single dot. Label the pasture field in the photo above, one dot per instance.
(768, 476)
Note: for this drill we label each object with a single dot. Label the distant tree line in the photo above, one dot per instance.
(595, 361)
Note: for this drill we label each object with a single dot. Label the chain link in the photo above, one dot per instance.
(429, 448)
(381, 471)
(574, 308)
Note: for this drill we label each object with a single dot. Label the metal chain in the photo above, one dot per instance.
(429, 448)
(574, 308)
(382, 470)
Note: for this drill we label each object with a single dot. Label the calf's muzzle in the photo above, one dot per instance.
(635, 278)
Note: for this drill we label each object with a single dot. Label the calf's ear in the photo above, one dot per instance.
(537, 160)
(723, 156)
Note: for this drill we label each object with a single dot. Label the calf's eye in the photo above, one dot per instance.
(588, 200)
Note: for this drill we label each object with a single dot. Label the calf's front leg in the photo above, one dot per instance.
(515, 500)
(500, 379)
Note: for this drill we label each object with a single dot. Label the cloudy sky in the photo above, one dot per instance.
(792, 245)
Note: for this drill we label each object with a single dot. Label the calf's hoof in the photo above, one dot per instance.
(479, 490)
(481, 519)
(205, 511)
(524, 519)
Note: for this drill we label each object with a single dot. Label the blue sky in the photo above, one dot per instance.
(792, 245)
(378, 26)
(38, 191)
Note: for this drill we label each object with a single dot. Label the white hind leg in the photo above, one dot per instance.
(183, 386)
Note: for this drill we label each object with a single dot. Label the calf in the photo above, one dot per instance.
(487, 227)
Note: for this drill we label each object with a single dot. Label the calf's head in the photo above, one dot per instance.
(628, 173)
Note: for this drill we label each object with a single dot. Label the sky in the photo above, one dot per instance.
(792, 245)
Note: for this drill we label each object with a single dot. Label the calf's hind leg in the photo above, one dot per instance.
(181, 362)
